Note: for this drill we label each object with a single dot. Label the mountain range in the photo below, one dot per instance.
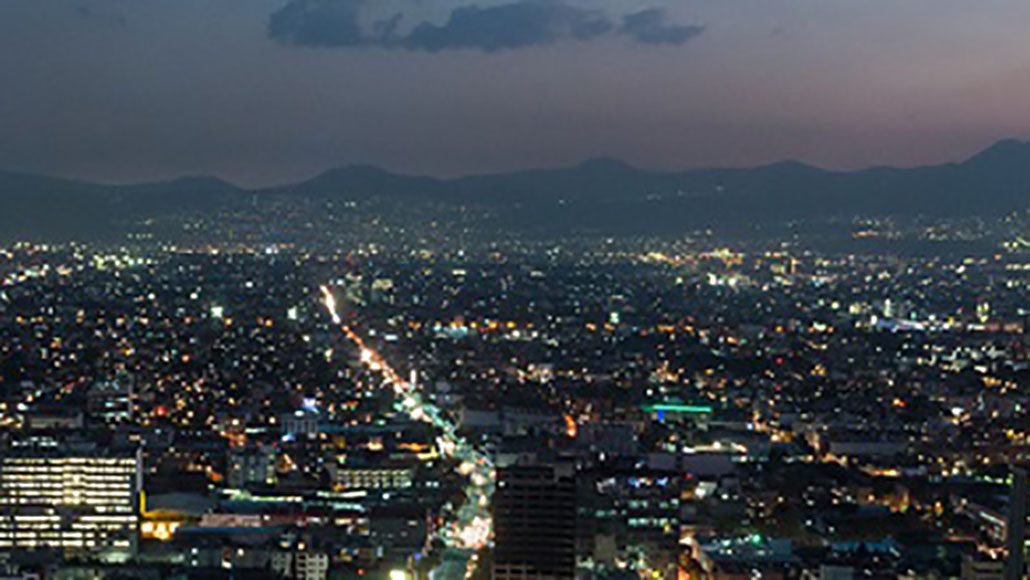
(598, 194)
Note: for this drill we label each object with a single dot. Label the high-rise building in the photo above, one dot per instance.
(534, 523)
(111, 401)
(74, 502)
(301, 565)
(251, 464)
(300, 423)
(1015, 526)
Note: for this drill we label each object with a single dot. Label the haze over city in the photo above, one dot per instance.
(514, 289)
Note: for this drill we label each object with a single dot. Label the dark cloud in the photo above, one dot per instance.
(520, 24)
(509, 26)
(651, 27)
(328, 23)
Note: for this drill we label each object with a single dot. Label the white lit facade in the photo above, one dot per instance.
(374, 477)
(71, 503)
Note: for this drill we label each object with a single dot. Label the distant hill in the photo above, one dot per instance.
(598, 194)
(995, 180)
(40, 207)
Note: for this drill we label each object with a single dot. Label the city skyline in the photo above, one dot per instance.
(514, 289)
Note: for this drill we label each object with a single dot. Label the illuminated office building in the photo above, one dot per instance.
(70, 502)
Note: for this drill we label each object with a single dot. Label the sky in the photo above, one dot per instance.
(264, 92)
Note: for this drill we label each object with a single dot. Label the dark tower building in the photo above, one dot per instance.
(1015, 526)
(534, 524)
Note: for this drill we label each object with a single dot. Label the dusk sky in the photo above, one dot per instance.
(269, 91)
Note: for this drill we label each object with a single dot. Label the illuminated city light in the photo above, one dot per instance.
(473, 525)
